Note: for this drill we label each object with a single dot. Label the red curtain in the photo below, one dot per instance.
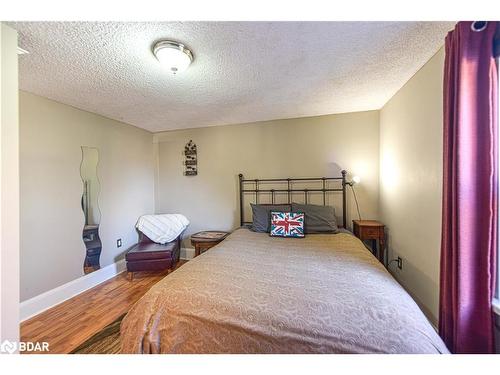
(470, 190)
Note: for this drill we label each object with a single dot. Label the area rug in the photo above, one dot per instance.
(106, 341)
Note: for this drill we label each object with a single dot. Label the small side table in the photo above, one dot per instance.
(203, 241)
(371, 230)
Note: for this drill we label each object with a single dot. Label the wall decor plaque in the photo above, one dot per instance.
(191, 159)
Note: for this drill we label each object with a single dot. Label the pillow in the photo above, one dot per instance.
(318, 219)
(287, 224)
(261, 215)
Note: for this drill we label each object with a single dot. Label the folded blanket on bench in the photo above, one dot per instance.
(162, 228)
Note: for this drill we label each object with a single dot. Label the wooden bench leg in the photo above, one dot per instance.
(130, 276)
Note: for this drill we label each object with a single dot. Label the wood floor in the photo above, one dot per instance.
(72, 322)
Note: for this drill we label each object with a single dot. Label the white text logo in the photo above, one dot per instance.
(28, 346)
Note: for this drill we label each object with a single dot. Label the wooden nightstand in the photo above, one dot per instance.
(371, 230)
(203, 241)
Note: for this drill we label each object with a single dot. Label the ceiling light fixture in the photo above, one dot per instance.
(175, 56)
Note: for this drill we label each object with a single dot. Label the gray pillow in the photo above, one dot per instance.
(261, 215)
(318, 219)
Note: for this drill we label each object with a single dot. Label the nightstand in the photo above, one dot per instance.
(203, 241)
(371, 230)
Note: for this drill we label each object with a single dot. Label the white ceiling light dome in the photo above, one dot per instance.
(174, 55)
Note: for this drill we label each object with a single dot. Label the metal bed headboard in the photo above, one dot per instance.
(290, 189)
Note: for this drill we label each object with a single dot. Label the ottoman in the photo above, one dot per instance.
(151, 256)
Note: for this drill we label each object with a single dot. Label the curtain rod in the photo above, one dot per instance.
(496, 41)
(479, 26)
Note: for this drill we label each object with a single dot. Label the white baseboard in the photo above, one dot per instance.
(187, 253)
(44, 301)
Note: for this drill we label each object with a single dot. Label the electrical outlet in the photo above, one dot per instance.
(119, 243)
(400, 263)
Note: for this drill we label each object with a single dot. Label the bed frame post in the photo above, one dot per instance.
(344, 202)
(240, 176)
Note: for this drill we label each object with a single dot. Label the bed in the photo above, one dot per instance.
(252, 293)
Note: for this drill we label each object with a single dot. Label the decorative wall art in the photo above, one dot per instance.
(191, 161)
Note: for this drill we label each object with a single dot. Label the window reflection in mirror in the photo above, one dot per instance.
(90, 207)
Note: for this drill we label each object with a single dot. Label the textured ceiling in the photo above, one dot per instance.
(243, 71)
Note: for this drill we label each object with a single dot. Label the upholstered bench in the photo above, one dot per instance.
(151, 256)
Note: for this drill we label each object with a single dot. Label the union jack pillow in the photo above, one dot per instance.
(287, 224)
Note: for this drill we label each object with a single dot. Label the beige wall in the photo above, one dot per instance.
(305, 147)
(51, 136)
(9, 186)
(411, 180)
